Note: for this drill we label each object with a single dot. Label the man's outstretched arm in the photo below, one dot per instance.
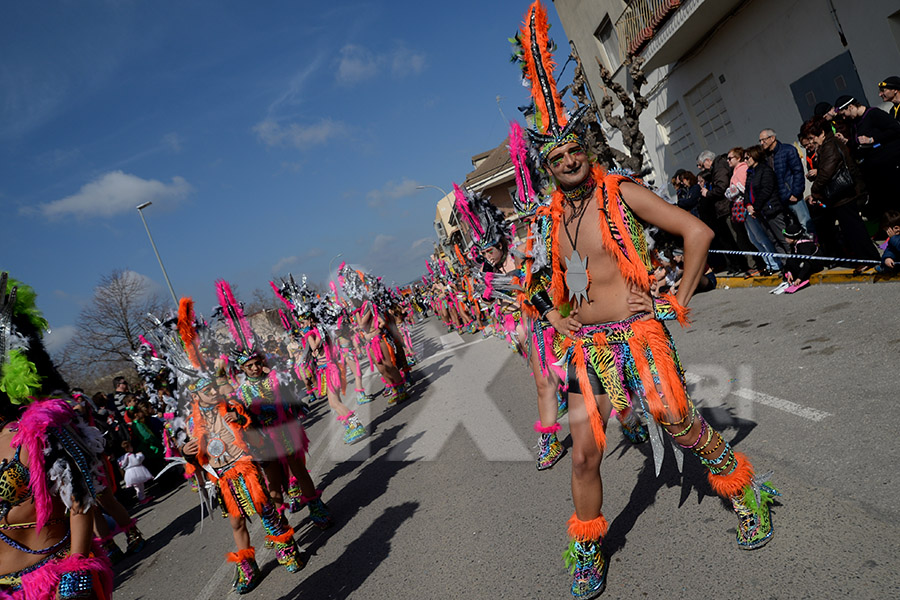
(652, 209)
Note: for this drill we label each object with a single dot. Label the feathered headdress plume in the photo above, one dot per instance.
(485, 220)
(238, 326)
(233, 314)
(552, 127)
(187, 329)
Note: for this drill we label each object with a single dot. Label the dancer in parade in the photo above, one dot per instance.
(318, 319)
(379, 349)
(266, 399)
(610, 332)
(50, 474)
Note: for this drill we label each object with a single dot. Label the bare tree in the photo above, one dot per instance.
(109, 327)
(628, 123)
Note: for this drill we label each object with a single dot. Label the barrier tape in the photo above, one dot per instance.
(778, 255)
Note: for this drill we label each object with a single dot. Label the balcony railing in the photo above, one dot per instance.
(640, 20)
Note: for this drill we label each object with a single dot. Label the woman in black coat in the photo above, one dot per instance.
(764, 202)
(831, 154)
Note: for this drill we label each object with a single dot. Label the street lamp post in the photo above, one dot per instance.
(155, 251)
(331, 262)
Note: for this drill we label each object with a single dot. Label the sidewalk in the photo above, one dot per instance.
(839, 275)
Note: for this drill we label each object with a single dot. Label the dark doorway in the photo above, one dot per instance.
(834, 78)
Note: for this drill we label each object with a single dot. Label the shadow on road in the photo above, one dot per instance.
(694, 477)
(359, 560)
(362, 557)
(184, 524)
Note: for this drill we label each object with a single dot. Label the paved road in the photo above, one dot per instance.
(444, 500)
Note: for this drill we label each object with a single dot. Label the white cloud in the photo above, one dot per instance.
(173, 141)
(115, 193)
(287, 261)
(272, 133)
(358, 63)
(406, 62)
(392, 190)
(57, 337)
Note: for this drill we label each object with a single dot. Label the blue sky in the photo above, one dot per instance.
(268, 139)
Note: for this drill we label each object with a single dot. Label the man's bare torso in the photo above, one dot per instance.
(608, 290)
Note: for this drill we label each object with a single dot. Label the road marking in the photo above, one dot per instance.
(451, 339)
(452, 349)
(813, 414)
(786, 405)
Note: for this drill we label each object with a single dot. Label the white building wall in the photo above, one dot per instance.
(759, 52)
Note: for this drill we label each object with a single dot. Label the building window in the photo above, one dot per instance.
(708, 109)
(608, 44)
(676, 135)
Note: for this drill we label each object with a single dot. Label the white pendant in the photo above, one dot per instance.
(577, 277)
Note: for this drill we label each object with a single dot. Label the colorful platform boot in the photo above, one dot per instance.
(134, 540)
(295, 496)
(353, 429)
(246, 571)
(319, 512)
(400, 394)
(549, 448)
(281, 537)
(731, 476)
(112, 549)
(362, 397)
(585, 559)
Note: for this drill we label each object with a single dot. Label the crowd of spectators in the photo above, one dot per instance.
(754, 198)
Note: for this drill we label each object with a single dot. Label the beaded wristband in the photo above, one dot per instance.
(74, 585)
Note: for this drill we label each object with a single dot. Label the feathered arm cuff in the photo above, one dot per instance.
(667, 308)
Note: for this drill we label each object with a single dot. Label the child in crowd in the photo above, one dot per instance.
(797, 269)
(136, 474)
(891, 225)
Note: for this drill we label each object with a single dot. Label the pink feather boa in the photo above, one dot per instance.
(43, 583)
(32, 434)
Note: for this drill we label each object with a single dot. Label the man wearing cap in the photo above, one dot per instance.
(875, 144)
(889, 91)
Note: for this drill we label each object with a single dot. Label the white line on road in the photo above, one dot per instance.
(813, 414)
(786, 405)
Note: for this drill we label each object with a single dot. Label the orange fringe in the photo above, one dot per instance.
(558, 289)
(459, 255)
(650, 335)
(199, 430)
(682, 313)
(284, 538)
(630, 265)
(590, 402)
(585, 531)
(250, 472)
(236, 557)
(390, 350)
(540, 24)
(732, 484)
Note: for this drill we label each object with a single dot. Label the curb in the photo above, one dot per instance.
(829, 276)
